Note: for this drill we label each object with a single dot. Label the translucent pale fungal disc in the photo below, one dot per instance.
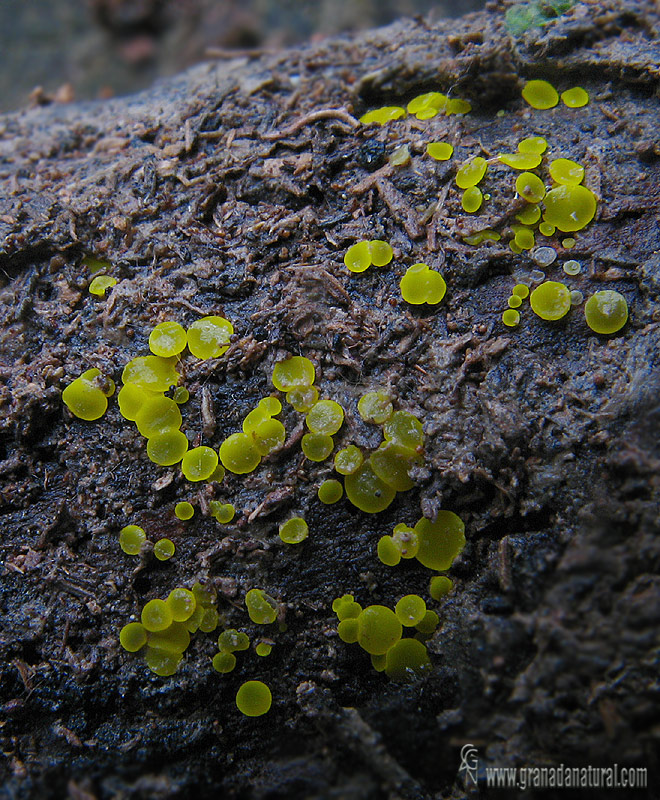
(572, 267)
(576, 297)
(400, 157)
(367, 491)
(375, 407)
(471, 172)
(544, 256)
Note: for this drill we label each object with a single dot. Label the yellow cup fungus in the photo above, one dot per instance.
(361, 255)
(175, 639)
(388, 551)
(254, 699)
(399, 157)
(184, 510)
(232, 640)
(349, 630)
(382, 116)
(427, 105)
(345, 607)
(421, 285)
(439, 586)
(151, 372)
(131, 398)
(531, 187)
(224, 662)
(533, 144)
(199, 463)
(391, 462)
(428, 625)
(457, 105)
(94, 264)
(271, 405)
(158, 415)
(317, 446)
(531, 214)
(303, 399)
(485, 235)
(511, 317)
(514, 301)
(294, 531)
(167, 448)
(330, 491)
(407, 659)
(547, 229)
(131, 539)
(167, 339)
(133, 636)
(164, 549)
(606, 311)
(296, 372)
(375, 407)
(239, 453)
(440, 541)
(378, 629)
(209, 337)
(222, 512)
(100, 285)
(471, 199)
(349, 459)
(520, 160)
(524, 237)
(566, 172)
(209, 621)
(181, 395)
(263, 649)
(162, 662)
(405, 429)
(84, 398)
(551, 300)
(440, 151)
(156, 616)
(381, 252)
(471, 172)
(568, 243)
(261, 607)
(254, 418)
(367, 491)
(569, 207)
(406, 540)
(521, 290)
(410, 610)
(540, 94)
(576, 97)
(326, 416)
(268, 436)
(182, 604)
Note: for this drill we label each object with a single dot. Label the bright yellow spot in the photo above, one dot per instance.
(167, 339)
(209, 337)
(296, 372)
(606, 311)
(294, 530)
(184, 510)
(471, 172)
(520, 160)
(531, 187)
(199, 463)
(100, 284)
(576, 97)
(440, 151)
(421, 284)
(540, 94)
(239, 453)
(511, 318)
(471, 199)
(533, 144)
(551, 300)
(569, 208)
(167, 448)
(383, 115)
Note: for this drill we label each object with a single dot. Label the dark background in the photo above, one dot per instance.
(85, 49)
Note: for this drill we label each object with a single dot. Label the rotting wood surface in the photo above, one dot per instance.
(235, 189)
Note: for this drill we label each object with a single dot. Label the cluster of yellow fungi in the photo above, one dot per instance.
(262, 434)
(542, 95)
(132, 538)
(424, 106)
(361, 255)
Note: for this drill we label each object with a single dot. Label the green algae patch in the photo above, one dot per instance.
(606, 311)
(540, 94)
(294, 530)
(209, 337)
(551, 300)
(440, 542)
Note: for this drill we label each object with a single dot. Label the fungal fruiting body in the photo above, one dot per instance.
(606, 311)
(361, 255)
(84, 396)
(421, 284)
(254, 699)
(551, 300)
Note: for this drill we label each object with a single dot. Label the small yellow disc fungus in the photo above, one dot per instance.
(296, 372)
(471, 172)
(348, 610)
(84, 399)
(379, 662)
(261, 607)
(167, 449)
(606, 311)
(131, 398)
(428, 625)
(162, 662)
(326, 416)
(184, 510)
(388, 552)
(192, 623)
(167, 339)
(546, 229)
(515, 248)
(156, 616)
(568, 243)
(367, 491)
(95, 264)
(330, 491)
(358, 257)
(524, 237)
(263, 649)
(375, 407)
(486, 235)
(317, 446)
(164, 549)
(391, 462)
(231, 640)
(405, 429)
(271, 405)
(209, 621)
(540, 94)
(181, 603)
(533, 144)
(348, 460)
(378, 629)
(100, 284)
(407, 659)
(239, 453)
(406, 539)
(158, 415)
(440, 151)
(223, 512)
(294, 530)
(566, 172)
(551, 300)
(303, 399)
(224, 662)
(572, 267)
(199, 463)
(521, 290)
(268, 436)
(255, 418)
(531, 187)
(349, 630)
(511, 318)
(531, 214)
(429, 101)
(133, 636)
(131, 538)
(440, 541)
(383, 115)
(457, 105)
(204, 595)
(575, 97)
(520, 160)
(569, 208)
(209, 337)
(151, 372)
(410, 610)
(514, 301)
(338, 602)
(381, 252)
(421, 284)
(181, 395)
(218, 474)
(399, 157)
(439, 586)
(174, 639)
(472, 199)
